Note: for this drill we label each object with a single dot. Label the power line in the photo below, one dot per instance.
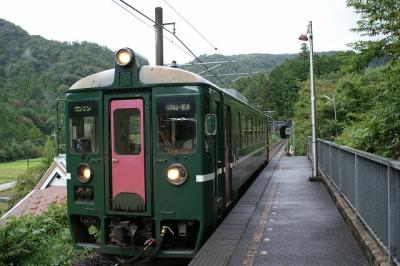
(204, 38)
(176, 36)
(162, 26)
(235, 74)
(151, 27)
(180, 15)
(207, 63)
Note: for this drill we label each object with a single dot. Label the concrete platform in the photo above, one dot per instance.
(283, 219)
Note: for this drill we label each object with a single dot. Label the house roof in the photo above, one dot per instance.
(51, 189)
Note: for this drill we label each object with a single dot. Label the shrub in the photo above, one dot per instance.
(40, 240)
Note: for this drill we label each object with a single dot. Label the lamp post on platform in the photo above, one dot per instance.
(309, 37)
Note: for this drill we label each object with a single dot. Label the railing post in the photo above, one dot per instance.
(356, 184)
(338, 172)
(389, 212)
(329, 166)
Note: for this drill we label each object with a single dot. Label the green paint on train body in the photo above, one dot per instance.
(175, 105)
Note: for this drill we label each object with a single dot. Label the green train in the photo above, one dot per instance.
(155, 157)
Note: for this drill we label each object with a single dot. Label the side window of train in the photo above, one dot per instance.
(250, 131)
(239, 146)
(244, 131)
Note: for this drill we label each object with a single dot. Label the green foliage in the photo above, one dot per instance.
(245, 63)
(377, 128)
(279, 90)
(273, 138)
(379, 20)
(34, 72)
(48, 152)
(368, 111)
(26, 182)
(40, 240)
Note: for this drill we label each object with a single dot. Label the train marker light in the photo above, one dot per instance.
(124, 56)
(84, 173)
(176, 174)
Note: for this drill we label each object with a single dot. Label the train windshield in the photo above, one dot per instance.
(83, 124)
(176, 125)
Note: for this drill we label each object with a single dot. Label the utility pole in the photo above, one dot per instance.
(313, 120)
(159, 36)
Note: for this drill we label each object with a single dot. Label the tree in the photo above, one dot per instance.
(380, 19)
(48, 151)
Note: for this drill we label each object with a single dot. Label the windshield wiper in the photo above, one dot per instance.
(85, 144)
(169, 146)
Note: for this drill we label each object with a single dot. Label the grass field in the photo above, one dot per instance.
(11, 170)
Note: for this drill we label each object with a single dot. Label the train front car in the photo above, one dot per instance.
(142, 160)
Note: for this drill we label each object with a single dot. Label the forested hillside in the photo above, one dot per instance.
(234, 64)
(34, 72)
(278, 90)
(364, 82)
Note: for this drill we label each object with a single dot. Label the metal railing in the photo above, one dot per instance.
(370, 184)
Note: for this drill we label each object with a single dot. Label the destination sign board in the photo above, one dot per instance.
(79, 109)
(176, 105)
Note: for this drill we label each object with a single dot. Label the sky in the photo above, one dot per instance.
(233, 27)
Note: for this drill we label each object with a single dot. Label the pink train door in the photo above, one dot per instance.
(127, 156)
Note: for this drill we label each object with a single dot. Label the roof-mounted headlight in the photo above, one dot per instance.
(124, 56)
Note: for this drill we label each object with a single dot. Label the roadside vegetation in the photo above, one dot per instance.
(40, 240)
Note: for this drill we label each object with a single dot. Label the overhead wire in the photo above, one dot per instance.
(193, 27)
(151, 27)
(176, 36)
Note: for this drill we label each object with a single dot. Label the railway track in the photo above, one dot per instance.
(276, 147)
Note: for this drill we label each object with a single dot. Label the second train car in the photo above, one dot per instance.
(155, 156)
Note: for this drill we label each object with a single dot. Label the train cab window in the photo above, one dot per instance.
(176, 125)
(127, 127)
(83, 127)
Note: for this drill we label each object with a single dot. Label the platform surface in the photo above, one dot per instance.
(283, 219)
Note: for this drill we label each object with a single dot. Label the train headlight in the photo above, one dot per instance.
(84, 173)
(176, 174)
(124, 56)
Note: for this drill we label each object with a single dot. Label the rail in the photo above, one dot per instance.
(370, 184)
(274, 148)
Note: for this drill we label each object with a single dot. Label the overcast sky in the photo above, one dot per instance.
(234, 27)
